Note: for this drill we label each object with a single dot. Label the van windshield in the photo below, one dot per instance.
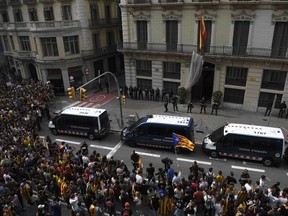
(217, 134)
(134, 125)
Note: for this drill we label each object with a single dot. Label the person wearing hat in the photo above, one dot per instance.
(127, 211)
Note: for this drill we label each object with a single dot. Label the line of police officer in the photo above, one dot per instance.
(138, 93)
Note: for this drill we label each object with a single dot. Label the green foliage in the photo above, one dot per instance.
(182, 93)
(217, 96)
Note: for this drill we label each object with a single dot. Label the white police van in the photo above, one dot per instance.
(90, 122)
(249, 142)
(156, 131)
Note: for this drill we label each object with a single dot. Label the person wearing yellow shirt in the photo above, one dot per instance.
(219, 179)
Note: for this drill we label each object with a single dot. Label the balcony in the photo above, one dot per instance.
(99, 52)
(3, 3)
(209, 51)
(52, 25)
(14, 2)
(46, 1)
(139, 2)
(24, 54)
(170, 1)
(29, 1)
(104, 22)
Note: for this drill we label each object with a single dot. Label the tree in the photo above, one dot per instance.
(182, 93)
(217, 96)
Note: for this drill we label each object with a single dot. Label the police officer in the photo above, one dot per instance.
(152, 94)
(135, 90)
(164, 92)
(140, 93)
(157, 94)
(130, 91)
(146, 94)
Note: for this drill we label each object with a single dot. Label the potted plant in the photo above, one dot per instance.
(217, 96)
(182, 93)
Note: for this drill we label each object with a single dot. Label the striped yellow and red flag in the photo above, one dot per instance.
(203, 33)
(182, 142)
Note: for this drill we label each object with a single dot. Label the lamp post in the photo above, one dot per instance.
(118, 89)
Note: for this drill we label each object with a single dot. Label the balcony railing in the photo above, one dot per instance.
(3, 3)
(14, 2)
(170, 1)
(104, 22)
(99, 51)
(38, 26)
(24, 54)
(211, 50)
(29, 1)
(139, 1)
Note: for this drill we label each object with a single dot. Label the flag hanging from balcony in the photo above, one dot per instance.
(194, 71)
(203, 33)
(182, 142)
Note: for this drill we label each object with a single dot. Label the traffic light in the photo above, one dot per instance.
(71, 93)
(83, 94)
(123, 99)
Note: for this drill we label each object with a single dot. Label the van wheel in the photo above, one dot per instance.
(91, 136)
(131, 143)
(214, 154)
(54, 132)
(267, 162)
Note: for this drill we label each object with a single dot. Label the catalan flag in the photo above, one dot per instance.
(182, 142)
(203, 33)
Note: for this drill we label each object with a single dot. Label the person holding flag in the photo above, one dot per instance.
(182, 142)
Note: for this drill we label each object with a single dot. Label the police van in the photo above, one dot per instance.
(156, 131)
(249, 142)
(91, 122)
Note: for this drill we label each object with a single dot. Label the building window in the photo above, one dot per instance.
(142, 35)
(17, 15)
(234, 95)
(66, 12)
(143, 68)
(236, 76)
(280, 42)
(171, 35)
(144, 83)
(240, 37)
(49, 46)
(25, 43)
(110, 38)
(6, 43)
(96, 40)
(33, 14)
(171, 70)
(266, 98)
(273, 79)
(71, 45)
(94, 14)
(48, 13)
(171, 86)
(12, 42)
(207, 42)
(5, 16)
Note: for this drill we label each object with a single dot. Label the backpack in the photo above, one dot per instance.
(209, 178)
(125, 213)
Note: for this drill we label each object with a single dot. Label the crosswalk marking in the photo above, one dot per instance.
(85, 104)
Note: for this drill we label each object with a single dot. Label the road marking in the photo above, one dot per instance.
(101, 147)
(192, 161)
(114, 150)
(67, 141)
(218, 159)
(148, 154)
(248, 168)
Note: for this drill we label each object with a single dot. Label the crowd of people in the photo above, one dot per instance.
(91, 184)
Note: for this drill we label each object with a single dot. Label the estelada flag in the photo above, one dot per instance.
(182, 142)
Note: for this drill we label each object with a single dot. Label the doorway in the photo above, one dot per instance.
(33, 72)
(204, 86)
